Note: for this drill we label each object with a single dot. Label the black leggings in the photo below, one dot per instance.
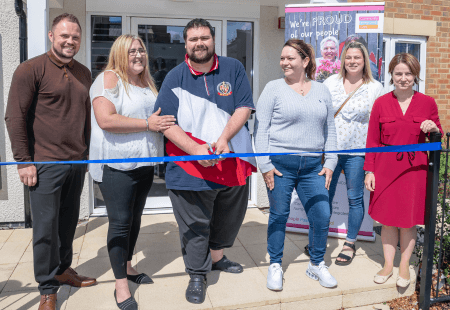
(124, 193)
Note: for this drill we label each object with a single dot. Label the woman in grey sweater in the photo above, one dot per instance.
(295, 114)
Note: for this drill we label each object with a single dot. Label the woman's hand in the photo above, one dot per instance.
(269, 178)
(369, 181)
(328, 175)
(159, 123)
(429, 126)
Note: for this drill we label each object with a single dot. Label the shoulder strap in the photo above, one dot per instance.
(348, 98)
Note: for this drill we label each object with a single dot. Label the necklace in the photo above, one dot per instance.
(298, 90)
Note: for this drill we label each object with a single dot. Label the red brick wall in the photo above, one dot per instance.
(437, 83)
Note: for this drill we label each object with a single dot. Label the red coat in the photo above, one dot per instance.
(400, 181)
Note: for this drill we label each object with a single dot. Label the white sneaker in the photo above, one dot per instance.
(275, 277)
(322, 274)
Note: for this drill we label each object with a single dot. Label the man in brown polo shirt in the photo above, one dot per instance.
(48, 119)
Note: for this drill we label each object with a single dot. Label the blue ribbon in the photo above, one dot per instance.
(434, 146)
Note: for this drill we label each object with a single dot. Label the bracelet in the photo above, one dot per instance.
(146, 121)
(367, 172)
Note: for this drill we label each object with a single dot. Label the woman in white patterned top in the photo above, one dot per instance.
(351, 130)
(123, 126)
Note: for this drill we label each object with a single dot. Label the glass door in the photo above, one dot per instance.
(165, 44)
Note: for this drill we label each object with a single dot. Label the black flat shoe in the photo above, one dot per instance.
(227, 265)
(196, 290)
(128, 304)
(140, 279)
(307, 250)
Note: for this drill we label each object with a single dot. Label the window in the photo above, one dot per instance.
(240, 45)
(105, 29)
(395, 44)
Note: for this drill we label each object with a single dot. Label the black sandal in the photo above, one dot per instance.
(128, 304)
(140, 278)
(196, 290)
(347, 258)
(227, 265)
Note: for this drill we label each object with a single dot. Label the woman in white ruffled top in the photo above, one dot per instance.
(123, 126)
(351, 129)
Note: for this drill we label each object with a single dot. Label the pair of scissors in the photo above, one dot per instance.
(211, 150)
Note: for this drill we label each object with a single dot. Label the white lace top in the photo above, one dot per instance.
(353, 120)
(138, 103)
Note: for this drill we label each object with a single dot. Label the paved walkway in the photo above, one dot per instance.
(158, 254)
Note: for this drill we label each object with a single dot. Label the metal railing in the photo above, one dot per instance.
(431, 247)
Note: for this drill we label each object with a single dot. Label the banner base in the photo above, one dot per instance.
(333, 234)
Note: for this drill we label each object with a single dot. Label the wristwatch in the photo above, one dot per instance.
(367, 172)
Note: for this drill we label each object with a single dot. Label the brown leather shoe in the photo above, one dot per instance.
(72, 278)
(48, 302)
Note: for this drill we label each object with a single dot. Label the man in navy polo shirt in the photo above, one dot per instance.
(212, 100)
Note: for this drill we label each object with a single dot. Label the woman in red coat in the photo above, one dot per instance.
(397, 181)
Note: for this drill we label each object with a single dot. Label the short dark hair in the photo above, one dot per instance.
(70, 17)
(410, 61)
(196, 23)
(356, 38)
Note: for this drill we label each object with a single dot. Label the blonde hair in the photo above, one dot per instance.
(118, 61)
(367, 72)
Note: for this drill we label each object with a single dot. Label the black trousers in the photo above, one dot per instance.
(125, 194)
(208, 220)
(55, 207)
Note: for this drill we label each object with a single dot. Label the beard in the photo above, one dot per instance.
(60, 53)
(201, 60)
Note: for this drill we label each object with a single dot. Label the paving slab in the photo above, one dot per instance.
(270, 307)
(97, 226)
(20, 300)
(100, 296)
(22, 279)
(296, 236)
(298, 286)
(158, 254)
(15, 246)
(158, 243)
(372, 307)
(98, 267)
(246, 289)
(158, 223)
(5, 234)
(328, 303)
(358, 276)
(369, 297)
(6, 271)
(161, 265)
(254, 217)
(253, 235)
(93, 246)
(291, 254)
(168, 294)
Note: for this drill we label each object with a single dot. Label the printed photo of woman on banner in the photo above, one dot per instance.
(329, 27)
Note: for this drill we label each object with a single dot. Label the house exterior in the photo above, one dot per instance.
(245, 29)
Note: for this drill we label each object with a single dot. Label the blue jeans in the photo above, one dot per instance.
(301, 173)
(354, 176)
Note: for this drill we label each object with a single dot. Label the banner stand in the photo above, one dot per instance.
(298, 221)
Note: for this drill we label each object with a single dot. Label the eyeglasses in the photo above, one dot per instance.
(134, 52)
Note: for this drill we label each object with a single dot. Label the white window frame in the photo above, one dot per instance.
(390, 40)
